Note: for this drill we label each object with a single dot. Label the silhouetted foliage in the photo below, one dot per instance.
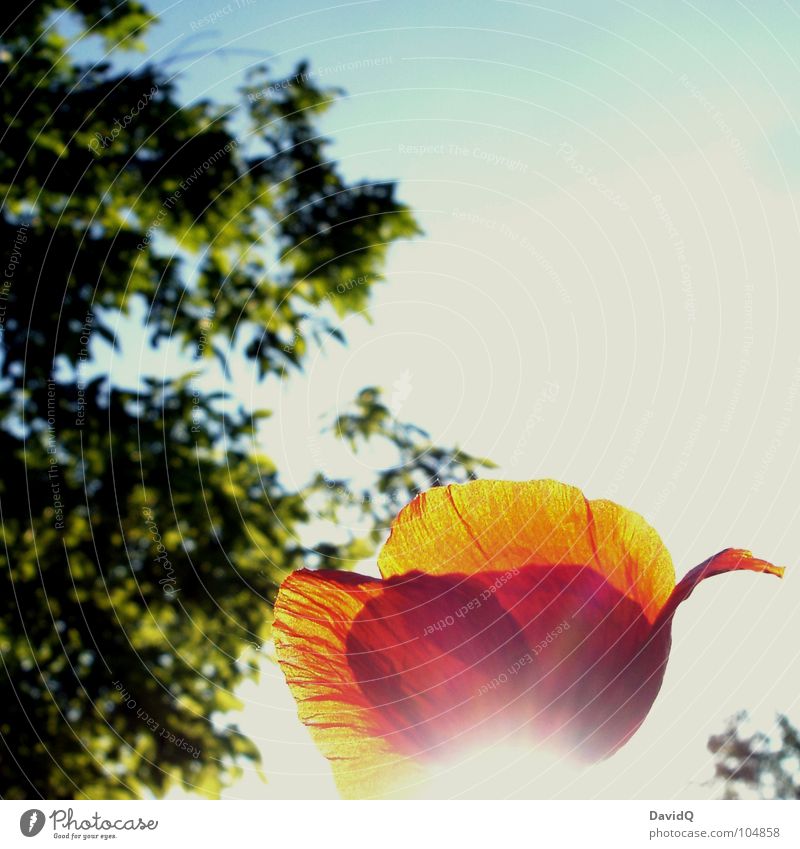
(757, 765)
(145, 530)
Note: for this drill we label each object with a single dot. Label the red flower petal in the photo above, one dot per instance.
(519, 610)
(595, 671)
(728, 560)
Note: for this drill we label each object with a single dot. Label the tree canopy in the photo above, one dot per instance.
(144, 526)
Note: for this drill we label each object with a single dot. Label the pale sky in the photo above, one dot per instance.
(606, 293)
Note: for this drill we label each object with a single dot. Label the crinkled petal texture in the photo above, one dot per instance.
(517, 612)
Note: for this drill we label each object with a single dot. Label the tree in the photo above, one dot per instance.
(145, 530)
(756, 764)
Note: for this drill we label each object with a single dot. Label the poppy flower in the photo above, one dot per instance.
(516, 612)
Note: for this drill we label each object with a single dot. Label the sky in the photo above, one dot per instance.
(605, 293)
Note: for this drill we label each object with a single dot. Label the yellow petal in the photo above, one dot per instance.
(501, 525)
